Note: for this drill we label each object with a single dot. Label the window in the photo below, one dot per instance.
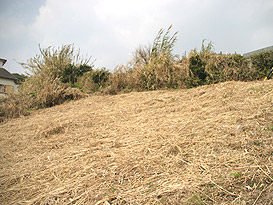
(2, 88)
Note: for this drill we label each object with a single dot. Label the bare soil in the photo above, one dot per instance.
(207, 145)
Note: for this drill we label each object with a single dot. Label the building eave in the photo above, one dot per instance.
(3, 60)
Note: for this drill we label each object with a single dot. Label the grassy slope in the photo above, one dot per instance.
(210, 144)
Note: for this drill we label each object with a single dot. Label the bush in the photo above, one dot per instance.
(197, 75)
(262, 64)
(226, 67)
(13, 106)
(50, 76)
(94, 80)
(71, 73)
(62, 63)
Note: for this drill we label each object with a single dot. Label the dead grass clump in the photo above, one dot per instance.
(49, 95)
(13, 106)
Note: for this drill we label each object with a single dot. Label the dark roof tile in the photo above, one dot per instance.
(5, 74)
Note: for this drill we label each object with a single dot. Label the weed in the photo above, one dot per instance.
(163, 200)
(94, 80)
(112, 189)
(197, 199)
(236, 174)
(210, 185)
(257, 143)
(152, 187)
(270, 128)
(76, 86)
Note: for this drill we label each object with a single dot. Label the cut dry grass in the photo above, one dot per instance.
(207, 145)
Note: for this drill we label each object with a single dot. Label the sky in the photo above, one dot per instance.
(109, 31)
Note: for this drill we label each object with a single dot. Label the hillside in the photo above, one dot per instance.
(211, 144)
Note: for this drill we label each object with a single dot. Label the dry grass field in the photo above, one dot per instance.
(207, 145)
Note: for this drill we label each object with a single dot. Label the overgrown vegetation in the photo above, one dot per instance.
(94, 80)
(157, 67)
(262, 63)
(50, 76)
(61, 74)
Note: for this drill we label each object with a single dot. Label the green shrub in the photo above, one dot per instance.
(94, 80)
(208, 67)
(197, 75)
(71, 73)
(261, 64)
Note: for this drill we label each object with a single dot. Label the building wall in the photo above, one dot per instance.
(7, 82)
(7, 86)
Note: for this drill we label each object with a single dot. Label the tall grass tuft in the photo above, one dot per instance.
(152, 67)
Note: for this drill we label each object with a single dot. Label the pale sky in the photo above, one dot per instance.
(110, 30)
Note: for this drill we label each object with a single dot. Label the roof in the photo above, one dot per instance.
(6, 74)
(249, 54)
(3, 60)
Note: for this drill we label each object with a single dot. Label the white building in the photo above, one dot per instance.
(7, 81)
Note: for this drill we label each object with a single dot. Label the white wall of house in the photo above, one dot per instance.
(9, 82)
(5, 81)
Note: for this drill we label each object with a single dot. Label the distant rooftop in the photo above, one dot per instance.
(2, 62)
(6, 74)
(3, 72)
(252, 53)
